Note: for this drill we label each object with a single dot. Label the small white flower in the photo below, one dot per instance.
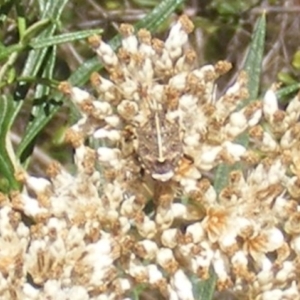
(38, 184)
(105, 84)
(155, 275)
(272, 294)
(164, 62)
(269, 144)
(130, 43)
(102, 109)
(182, 286)
(178, 81)
(188, 103)
(201, 72)
(264, 263)
(220, 263)
(75, 237)
(287, 141)
(207, 159)
(136, 268)
(275, 239)
(293, 110)
(270, 104)
(179, 210)
(235, 150)
(113, 135)
(256, 117)
(32, 207)
(147, 229)
(123, 283)
(30, 292)
(257, 176)
(192, 140)
(276, 172)
(164, 255)
(295, 244)
(113, 121)
(172, 294)
(77, 293)
(188, 184)
(164, 217)
(56, 224)
(78, 95)
(287, 271)
(292, 292)
(146, 73)
(197, 232)
(238, 119)
(129, 88)
(243, 223)
(234, 89)
(168, 238)
(127, 109)
(107, 155)
(150, 247)
(127, 208)
(107, 55)
(237, 124)
(239, 258)
(52, 288)
(228, 239)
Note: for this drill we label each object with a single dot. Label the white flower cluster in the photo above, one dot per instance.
(160, 107)
(138, 214)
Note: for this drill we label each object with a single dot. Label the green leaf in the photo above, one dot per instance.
(252, 66)
(34, 30)
(7, 169)
(288, 90)
(232, 7)
(145, 3)
(296, 60)
(221, 177)
(82, 74)
(21, 20)
(7, 51)
(29, 33)
(286, 78)
(40, 111)
(42, 5)
(62, 38)
(254, 59)
(52, 9)
(204, 290)
(35, 61)
(159, 14)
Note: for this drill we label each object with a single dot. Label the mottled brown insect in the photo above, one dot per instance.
(159, 146)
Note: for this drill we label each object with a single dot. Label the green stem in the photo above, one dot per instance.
(11, 60)
(21, 20)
